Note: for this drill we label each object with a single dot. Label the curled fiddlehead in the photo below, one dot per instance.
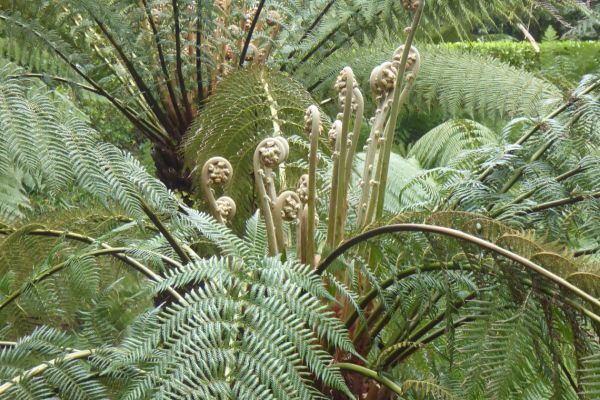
(269, 153)
(287, 208)
(217, 171)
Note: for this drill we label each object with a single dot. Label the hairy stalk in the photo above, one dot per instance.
(313, 124)
(335, 134)
(265, 205)
(358, 120)
(217, 171)
(368, 167)
(345, 86)
(400, 96)
(484, 244)
(39, 369)
(286, 208)
(369, 373)
(269, 153)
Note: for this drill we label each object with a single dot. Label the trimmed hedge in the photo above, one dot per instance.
(562, 62)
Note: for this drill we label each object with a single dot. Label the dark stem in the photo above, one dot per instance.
(529, 193)
(565, 201)
(312, 27)
(199, 53)
(439, 332)
(539, 125)
(384, 230)
(163, 64)
(186, 103)
(166, 233)
(251, 32)
(142, 87)
(158, 135)
(426, 328)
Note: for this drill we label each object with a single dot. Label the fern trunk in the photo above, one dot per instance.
(170, 168)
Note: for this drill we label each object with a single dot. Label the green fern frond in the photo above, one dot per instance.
(243, 319)
(440, 145)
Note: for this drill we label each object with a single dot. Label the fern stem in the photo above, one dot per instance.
(519, 172)
(585, 252)
(529, 193)
(91, 240)
(400, 96)
(142, 87)
(368, 167)
(565, 201)
(462, 236)
(58, 267)
(251, 32)
(199, 83)
(539, 125)
(340, 209)
(311, 27)
(163, 64)
(439, 332)
(369, 373)
(389, 359)
(358, 120)
(333, 193)
(165, 232)
(314, 24)
(158, 134)
(315, 130)
(264, 201)
(148, 128)
(372, 294)
(178, 62)
(39, 369)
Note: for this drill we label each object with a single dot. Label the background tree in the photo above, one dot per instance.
(156, 61)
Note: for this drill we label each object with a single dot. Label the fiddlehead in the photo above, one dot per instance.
(286, 208)
(268, 154)
(217, 171)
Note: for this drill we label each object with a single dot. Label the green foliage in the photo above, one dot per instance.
(480, 280)
(53, 145)
(561, 62)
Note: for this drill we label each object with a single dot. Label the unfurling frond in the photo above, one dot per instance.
(247, 107)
